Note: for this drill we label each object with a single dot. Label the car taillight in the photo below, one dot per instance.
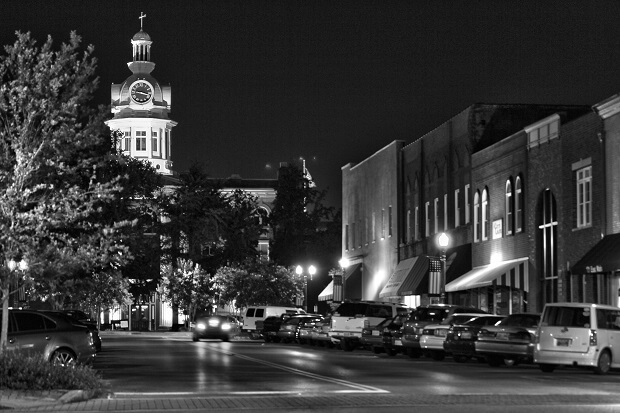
(593, 338)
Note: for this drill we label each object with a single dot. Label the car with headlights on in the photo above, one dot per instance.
(423, 316)
(511, 341)
(54, 337)
(461, 338)
(434, 335)
(223, 327)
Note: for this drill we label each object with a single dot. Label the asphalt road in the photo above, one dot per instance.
(252, 375)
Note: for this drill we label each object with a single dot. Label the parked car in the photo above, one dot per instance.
(50, 335)
(434, 335)
(372, 337)
(260, 313)
(461, 338)
(223, 327)
(80, 318)
(305, 330)
(389, 342)
(423, 316)
(578, 334)
(319, 335)
(269, 327)
(289, 329)
(511, 341)
(351, 317)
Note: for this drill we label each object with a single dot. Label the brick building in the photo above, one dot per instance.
(523, 192)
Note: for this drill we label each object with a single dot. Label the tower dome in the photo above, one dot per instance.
(141, 35)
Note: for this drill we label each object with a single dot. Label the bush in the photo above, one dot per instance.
(23, 371)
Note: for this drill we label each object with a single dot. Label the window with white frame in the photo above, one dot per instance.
(382, 223)
(141, 140)
(485, 215)
(457, 209)
(543, 131)
(466, 202)
(374, 227)
(519, 202)
(445, 212)
(408, 236)
(436, 215)
(154, 140)
(127, 140)
(427, 215)
(509, 208)
(477, 217)
(584, 197)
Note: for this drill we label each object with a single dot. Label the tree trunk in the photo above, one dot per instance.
(5, 319)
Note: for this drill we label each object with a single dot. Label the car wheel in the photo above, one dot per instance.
(547, 368)
(226, 339)
(267, 339)
(376, 350)
(276, 339)
(495, 361)
(604, 363)
(438, 355)
(391, 352)
(63, 357)
(346, 345)
(194, 338)
(413, 353)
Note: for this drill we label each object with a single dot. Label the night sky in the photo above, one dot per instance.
(255, 83)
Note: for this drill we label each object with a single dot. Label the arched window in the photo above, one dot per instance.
(477, 216)
(485, 214)
(518, 215)
(509, 208)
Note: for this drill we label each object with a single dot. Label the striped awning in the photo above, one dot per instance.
(512, 273)
(328, 292)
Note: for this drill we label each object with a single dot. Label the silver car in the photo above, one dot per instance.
(52, 336)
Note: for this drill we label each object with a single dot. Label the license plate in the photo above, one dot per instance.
(441, 333)
(466, 335)
(502, 336)
(398, 342)
(347, 334)
(563, 342)
(375, 332)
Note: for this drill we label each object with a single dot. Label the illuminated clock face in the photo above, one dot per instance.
(141, 92)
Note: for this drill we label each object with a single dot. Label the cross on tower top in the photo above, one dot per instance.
(142, 16)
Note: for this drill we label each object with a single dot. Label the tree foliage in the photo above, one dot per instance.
(54, 150)
(258, 283)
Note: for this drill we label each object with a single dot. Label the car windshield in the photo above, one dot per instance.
(430, 314)
(520, 320)
(458, 319)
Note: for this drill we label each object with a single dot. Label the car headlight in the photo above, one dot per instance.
(200, 326)
(226, 326)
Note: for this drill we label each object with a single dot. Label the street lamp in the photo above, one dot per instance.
(443, 240)
(299, 270)
(344, 263)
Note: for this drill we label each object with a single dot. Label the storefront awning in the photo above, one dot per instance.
(603, 257)
(513, 273)
(401, 274)
(328, 292)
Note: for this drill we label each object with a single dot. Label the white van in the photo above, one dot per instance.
(253, 314)
(578, 334)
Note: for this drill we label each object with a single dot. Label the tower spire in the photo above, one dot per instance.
(142, 16)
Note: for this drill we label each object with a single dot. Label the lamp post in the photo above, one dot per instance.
(299, 270)
(443, 240)
(344, 263)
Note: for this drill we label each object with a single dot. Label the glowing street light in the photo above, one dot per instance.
(443, 240)
(299, 270)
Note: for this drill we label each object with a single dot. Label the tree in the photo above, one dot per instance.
(303, 227)
(52, 185)
(258, 283)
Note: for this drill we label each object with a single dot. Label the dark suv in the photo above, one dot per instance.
(409, 339)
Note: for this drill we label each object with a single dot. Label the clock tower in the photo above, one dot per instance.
(140, 106)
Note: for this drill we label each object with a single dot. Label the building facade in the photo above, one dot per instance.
(525, 194)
